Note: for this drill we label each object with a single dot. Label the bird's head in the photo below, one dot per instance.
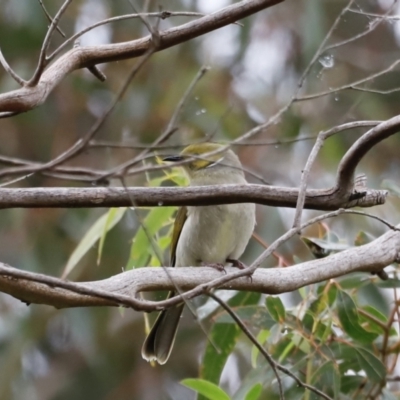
(209, 164)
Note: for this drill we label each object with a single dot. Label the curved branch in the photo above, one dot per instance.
(348, 164)
(317, 199)
(27, 98)
(122, 288)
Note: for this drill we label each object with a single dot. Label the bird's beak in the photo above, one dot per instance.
(173, 158)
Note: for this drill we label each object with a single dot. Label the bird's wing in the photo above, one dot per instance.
(180, 220)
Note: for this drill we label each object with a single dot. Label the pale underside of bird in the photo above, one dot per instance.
(204, 235)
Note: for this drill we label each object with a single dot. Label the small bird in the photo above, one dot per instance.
(203, 235)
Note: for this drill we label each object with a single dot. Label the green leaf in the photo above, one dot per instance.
(301, 343)
(354, 281)
(348, 316)
(350, 383)
(224, 336)
(254, 393)
(390, 283)
(96, 231)
(276, 308)
(142, 246)
(324, 331)
(114, 215)
(261, 338)
(328, 292)
(371, 364)
(327, 379)
(208, 389)
(332, 293)
(372, 325)
(286, 351)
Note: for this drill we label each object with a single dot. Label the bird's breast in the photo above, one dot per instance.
(211, 234)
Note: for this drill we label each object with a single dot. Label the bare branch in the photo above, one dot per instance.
(349, 162)
(11, 72)
(371, 27)
(351, 85)
(46, 42)
(122, 288)
(80, 145)
(252, 338)
(313, 155)
(274, 365)
(25, 99)
(50, 18)
(321, 47)
(162, 15)
(317, 199)
(178, 110)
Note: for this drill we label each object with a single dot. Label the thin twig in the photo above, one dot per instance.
(172, 124)
(349, 85)
(322, 136)
(371, 27)
(49, 17)
(13, 75)
(376, 91)
(117, 145)
(46, 43)
(161, 15)
(171, 127)
(274, 365)
(252, 338)
(123, 169)
(80, 145)
(321, 47)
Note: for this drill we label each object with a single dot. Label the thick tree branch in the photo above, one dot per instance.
(27, 98)
(121, 289)
(317, 199)
(348, 164)
(341, 195)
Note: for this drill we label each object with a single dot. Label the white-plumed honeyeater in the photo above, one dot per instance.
(202, 235)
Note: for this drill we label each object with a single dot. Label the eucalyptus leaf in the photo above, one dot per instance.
(97, 231)
(371, 364)
(223, 338)
(349, 319)
(276, 308)
(207, 389)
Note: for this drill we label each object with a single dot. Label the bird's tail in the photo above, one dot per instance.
(160, 340)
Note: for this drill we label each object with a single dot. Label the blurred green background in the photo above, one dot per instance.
(95, 353)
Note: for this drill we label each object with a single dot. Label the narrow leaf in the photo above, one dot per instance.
(254, 393)
(95, 232)
(349, 319)
(261, 338)
(276, 308)
(142, 246)
(208, 389)
(114, 215)
(371, 364)
(223, 338)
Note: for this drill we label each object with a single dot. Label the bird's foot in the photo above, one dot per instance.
(236, 263)
(218, 266)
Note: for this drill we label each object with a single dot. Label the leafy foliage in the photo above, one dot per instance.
(340, 336)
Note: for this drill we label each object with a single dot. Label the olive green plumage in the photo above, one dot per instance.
(204, 234)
